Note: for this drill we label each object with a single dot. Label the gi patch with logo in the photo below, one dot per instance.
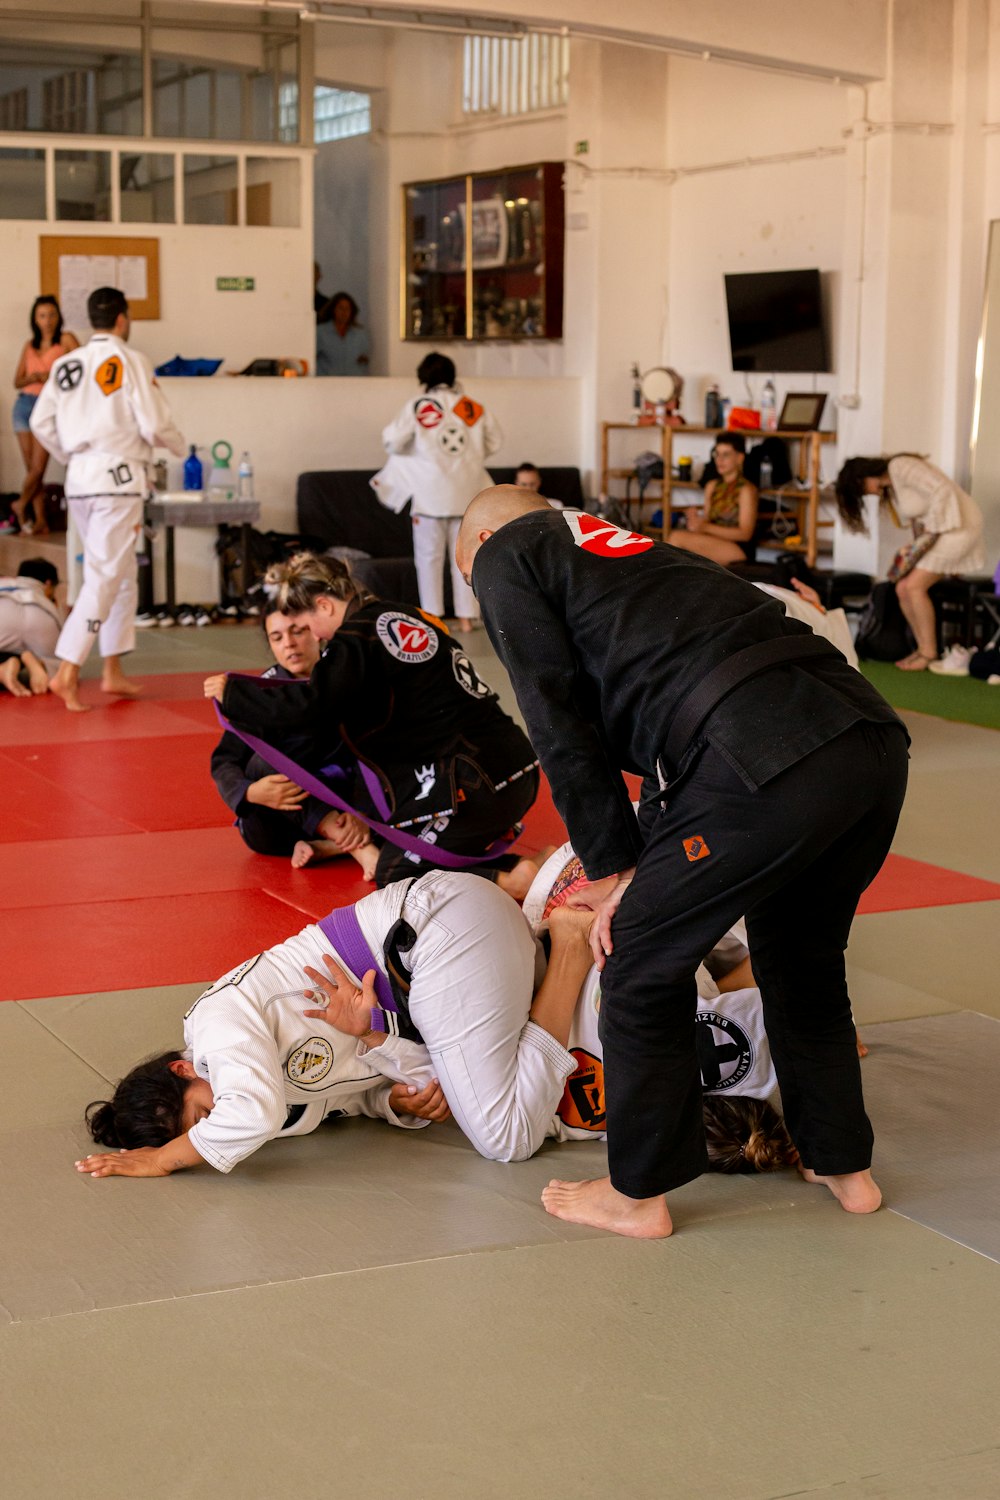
(603, 538)
(310, 1063)
(725, 1052)
(405, 638)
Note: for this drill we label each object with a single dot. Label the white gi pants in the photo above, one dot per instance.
(27, 627)
(434, 538)
(105, 605)
(473, 969)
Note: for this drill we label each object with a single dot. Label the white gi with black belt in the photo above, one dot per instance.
(101, 413)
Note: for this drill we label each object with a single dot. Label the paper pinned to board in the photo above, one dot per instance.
(79, 275)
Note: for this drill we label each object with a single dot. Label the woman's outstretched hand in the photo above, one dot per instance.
(348, 1008)
(145, 1161)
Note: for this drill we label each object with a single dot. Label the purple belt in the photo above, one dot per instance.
(430, 853)
(343, 931)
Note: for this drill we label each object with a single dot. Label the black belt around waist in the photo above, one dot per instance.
(729, 674)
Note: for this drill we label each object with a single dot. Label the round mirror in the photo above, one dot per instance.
(660, 384)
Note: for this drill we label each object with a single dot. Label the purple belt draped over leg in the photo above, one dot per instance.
(430, 853)
(343, 930)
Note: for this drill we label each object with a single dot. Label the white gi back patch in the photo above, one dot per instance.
(603, 538)
(725, 1052)
(310, 1063)
(405, 638)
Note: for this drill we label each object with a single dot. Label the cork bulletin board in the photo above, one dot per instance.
(72, 266)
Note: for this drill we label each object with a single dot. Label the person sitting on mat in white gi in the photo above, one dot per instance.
(30, 622)
(452, 961)
(450, 768)
(439, 444)
(273, 814)
(101, 413)
(773, 780)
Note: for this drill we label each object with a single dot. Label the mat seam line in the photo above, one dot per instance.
(21, 1004)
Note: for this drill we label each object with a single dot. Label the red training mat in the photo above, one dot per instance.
(905, 884)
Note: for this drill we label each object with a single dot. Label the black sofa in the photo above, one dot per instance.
(338, 508)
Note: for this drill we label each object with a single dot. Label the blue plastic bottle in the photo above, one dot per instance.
(192, 470)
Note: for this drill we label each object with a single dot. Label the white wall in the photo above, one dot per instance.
(290, 426)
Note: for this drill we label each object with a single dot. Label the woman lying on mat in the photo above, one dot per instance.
(259, 1063)
(450, 767)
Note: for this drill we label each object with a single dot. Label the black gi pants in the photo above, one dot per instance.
(794, 855)
(483, 816)
(267, 831)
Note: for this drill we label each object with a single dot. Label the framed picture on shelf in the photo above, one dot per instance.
(801, 411)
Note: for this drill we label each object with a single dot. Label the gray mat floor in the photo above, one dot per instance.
(363, 1314)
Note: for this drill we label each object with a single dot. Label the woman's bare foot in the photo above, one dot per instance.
(862, 1049)
(66, 685)
(38, 677)
(367, 858)
(9, 678)
(517, 882)
(916, 663)
(903, 660)
(466, 625)
(121, 686)
(312, 852)
(856, 1192)
(598, 1204)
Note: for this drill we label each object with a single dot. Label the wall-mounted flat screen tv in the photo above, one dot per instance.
(776, 322)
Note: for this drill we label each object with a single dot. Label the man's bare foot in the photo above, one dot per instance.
(9, 678)
(862, 1049)
(517, 882)
(367, 858)
(856, 1192)
(120, 685)
(66, 685)
(601, 1206)
(465, 625)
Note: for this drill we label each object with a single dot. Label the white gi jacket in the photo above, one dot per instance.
(248, 1037)
(733, 1051)
(102, 413)
(29, 621)
(440, 443)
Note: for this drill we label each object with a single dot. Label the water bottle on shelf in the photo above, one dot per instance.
(245, 489)
(725, 407)
(769, 407)
(713, 411)
(766, 474)
(193, 473)
(636, 393)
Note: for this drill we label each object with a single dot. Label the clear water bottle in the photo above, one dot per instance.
(245, 490)
(766, 473)
(769, 407)
(713, 407)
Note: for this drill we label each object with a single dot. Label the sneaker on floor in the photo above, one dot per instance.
(165, 618)
(185, 615)
(9, 527)
(146, 620)
(954, 663)
(202, 616)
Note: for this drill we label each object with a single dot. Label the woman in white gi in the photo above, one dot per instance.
(947, 528)
(464, 962)
(439, 445)
(101, 413)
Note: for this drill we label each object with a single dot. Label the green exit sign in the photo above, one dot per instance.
(234, 283)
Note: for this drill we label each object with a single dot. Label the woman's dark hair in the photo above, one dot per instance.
(36, 332)
(745, 1135)
(734, 440)
(145, 1109)
(850, 489)
(346, 297)
(436, 369)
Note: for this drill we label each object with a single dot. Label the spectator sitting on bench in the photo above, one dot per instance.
(729, 516)
(273, 815)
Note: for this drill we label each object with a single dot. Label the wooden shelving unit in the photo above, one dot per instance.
(803, 498)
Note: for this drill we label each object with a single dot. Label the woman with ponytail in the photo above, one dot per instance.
(448, 766)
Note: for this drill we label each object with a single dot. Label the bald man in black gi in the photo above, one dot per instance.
(773, 776)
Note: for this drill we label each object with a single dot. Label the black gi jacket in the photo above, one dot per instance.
(605, 633)
(405, 700)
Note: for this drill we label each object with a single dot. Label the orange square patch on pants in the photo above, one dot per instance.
(696, 848)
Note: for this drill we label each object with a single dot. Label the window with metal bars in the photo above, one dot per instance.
(340, 112)
(504, 75)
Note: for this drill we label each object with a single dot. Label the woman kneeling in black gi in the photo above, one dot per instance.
(452, 768)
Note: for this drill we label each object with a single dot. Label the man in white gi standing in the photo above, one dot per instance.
(101, 413)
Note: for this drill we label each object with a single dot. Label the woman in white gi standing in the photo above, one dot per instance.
(439, 444)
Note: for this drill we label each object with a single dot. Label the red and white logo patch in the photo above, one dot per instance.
(602, 537)
(429, 413)
(405, 638)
